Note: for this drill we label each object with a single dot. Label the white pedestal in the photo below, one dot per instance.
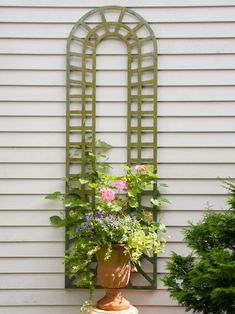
(94, 310)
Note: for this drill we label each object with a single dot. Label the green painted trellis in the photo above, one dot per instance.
(83, 40)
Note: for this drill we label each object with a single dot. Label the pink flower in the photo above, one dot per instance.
(140, 168)
(107, 194)
(120, 184)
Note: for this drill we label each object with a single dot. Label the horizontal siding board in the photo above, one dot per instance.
(48, 234)
(19, 141)
(165, 109)
(93, 3)
(30, 309)
(55, 265)
(24, 77)
(173, 93)
(29, 265)
(195, 171)
(26, 218)
(41, 218)
(74, 297)
(165, 78)
(165, 46)
(196, 202)
(31, 234)
(55, 250)
(33, 140)
(28, 155)
(52, 281)
(196, 109)
(199, 140)
(40, 249)
(183, 14)
(49, 281)
(177, 202)
(31, 281)
(161, 30)
(51, 68)
(196, 61)
(28, 202)
(57, 171)
(43, 186)
(169, 154)
(111, 124)
(33, 108)
(30, 186)
(32, 171)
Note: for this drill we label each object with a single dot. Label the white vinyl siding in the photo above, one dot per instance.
(196, 142)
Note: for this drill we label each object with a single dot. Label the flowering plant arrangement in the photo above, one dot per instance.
(105, 210)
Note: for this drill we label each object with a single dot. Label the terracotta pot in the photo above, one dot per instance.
(113, 274)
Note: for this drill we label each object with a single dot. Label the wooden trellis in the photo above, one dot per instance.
(140, 42)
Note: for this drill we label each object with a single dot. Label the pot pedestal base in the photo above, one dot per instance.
(131, 310)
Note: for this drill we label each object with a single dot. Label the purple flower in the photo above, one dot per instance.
(99, 214)
(84, 225)
(87, 217)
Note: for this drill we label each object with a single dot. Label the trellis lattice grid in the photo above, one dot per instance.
(128, 26)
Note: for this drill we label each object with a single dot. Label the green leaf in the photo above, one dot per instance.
(54, 196)
(162, 227)
(155, 202)
(58, 221)
(103, 144)
(83, 180)
(133, 203)
(92, 185)
(125, 167)
(152, 175)
(130, 194)
(75, 202)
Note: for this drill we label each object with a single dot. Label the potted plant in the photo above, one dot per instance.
(105, 220)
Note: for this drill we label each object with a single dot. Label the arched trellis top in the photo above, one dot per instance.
(128, 26)
(131, 28)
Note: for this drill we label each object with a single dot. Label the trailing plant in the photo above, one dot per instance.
(204, 281)
(103, 209)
